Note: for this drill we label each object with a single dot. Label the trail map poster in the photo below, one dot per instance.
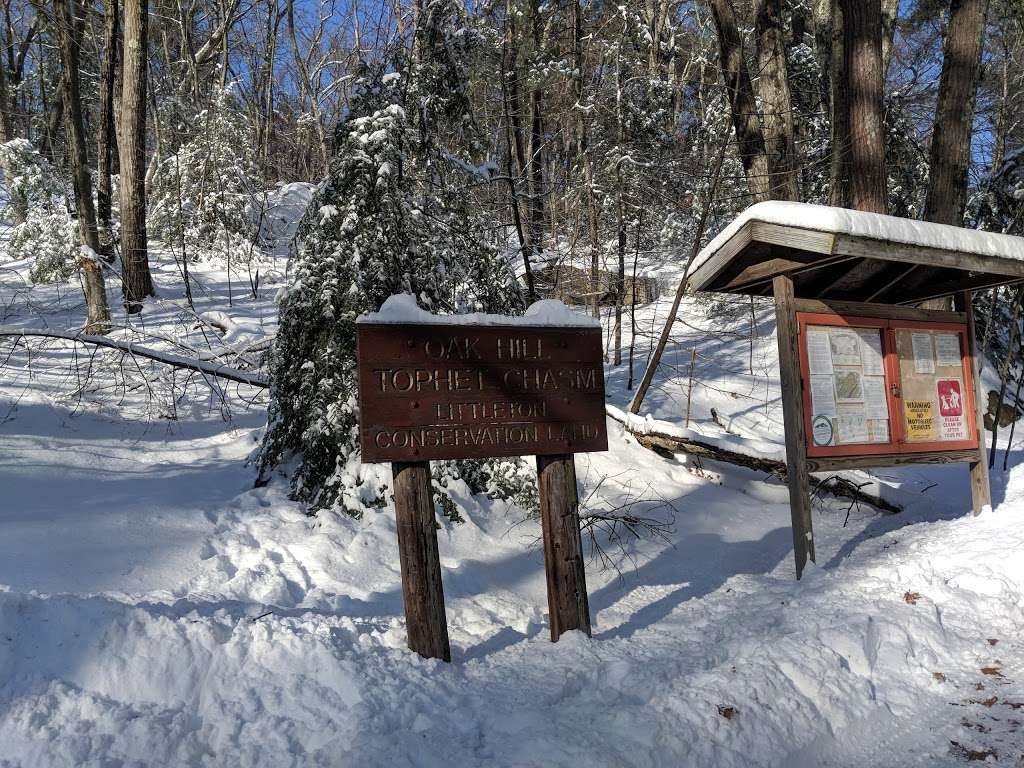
(889, 386)
(847, 377)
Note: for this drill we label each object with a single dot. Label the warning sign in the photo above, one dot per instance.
(920, 415)
(951, 409)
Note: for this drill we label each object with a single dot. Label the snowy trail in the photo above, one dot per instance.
(93, 505)
(221, 626)
(157, 610)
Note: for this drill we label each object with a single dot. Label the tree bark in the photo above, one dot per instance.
(776, 102)
(839, 111)
(107, 144)
(137, 281)
(862, 56)
(535, 156)
(517, 163)
(890, 15)
(950, 153)
(749, 135)
(97, 312)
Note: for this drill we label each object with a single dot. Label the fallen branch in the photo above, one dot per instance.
(666, 444)
(167, 358)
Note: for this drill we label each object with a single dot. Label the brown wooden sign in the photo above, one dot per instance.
(449, 391)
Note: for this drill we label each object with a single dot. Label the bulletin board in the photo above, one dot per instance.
(874, 386)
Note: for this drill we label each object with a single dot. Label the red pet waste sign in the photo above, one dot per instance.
(951, 409)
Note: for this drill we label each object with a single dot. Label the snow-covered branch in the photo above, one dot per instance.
(167, 358)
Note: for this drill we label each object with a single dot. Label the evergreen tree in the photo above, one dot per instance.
(200, 194)
(45, 232)
(391, 218)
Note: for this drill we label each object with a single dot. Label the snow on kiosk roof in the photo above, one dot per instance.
(837, 253)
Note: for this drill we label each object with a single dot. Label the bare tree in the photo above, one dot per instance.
(138, 283)
(68, 24)
(776, 103)
(107, 142)
(749, 135)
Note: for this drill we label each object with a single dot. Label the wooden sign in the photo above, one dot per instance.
(462, 392)
(874, 386)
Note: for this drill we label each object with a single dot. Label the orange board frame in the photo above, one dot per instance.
(897, 444)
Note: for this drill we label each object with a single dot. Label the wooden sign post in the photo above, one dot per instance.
(445, 390)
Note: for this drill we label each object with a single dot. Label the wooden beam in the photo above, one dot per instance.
(901, 275)
(793, 238)
(835, 463)
(755, 273)
(835, 279)
(426, 624)
(954, 287)
(703, 275)
(801, 268)
(981, 492)
(882, 311)
(793, 422)
(568, 607)
(871, 248)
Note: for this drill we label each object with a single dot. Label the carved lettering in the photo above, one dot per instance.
(442, 392)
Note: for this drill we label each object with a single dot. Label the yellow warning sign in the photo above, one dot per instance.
(920, 415)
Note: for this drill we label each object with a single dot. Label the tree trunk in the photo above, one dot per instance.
(862, 56)
(107, 145)
(890, 15)
(585, 160)
(535, 157)
(138, 283)
(773, 87)
(822, 13)
(273, 22)
(839, 111)
(749, 136)
(950, 153)
(517, 162)
(97, 312)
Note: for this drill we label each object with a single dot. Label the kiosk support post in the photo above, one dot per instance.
(426, 623)
(793, 422)
(981, 494)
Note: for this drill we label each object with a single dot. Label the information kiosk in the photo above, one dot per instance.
(869, 378)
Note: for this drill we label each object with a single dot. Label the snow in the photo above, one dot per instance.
(402, 308)
(647, 424)
(156, 609)
(823, 218)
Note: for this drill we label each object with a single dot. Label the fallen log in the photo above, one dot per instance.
(667, 445)
(128, 347)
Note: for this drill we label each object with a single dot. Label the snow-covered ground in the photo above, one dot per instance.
(156, 610)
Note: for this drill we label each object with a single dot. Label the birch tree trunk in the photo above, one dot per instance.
(97, 312)
(138, 283)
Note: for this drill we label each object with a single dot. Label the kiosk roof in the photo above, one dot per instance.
(838, 253)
